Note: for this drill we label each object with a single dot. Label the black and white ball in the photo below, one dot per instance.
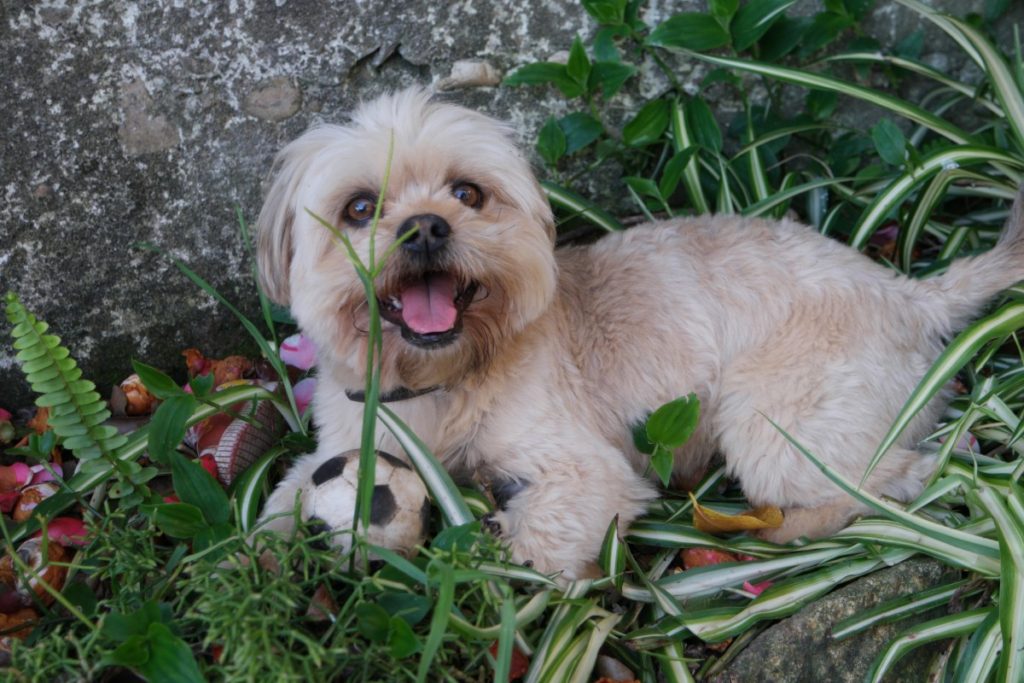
(399, 509)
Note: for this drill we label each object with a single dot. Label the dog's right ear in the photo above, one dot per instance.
(274, 229)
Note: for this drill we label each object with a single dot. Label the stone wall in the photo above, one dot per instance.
(128, 123)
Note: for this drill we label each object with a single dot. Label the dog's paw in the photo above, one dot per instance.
(491, 523)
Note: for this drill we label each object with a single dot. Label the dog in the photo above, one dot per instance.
(528, 366)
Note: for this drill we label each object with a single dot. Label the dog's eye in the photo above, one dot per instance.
(469, 194)
(359, 210)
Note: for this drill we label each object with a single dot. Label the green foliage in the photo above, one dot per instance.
(166, 608)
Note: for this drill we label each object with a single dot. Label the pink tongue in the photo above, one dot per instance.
(428, 306)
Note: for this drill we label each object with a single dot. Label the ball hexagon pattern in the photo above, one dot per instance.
(399, 509)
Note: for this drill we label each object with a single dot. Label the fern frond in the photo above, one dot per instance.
(77, 412)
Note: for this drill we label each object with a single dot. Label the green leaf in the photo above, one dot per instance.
(723, 10)
(170, 658)
(612, 558)
(373, 622)
(120, 627)
(440, 617)
(825, 27)
(890, 142)
(569, 201)
(580, 130)
(167, 428)
(648, 125)
(435, 477)
(662, 462)
(820, 104)
(578, 66)
(551, 142)
(401, 639)
(606, 11)
(640, 440)
(132, 653)
(610, 76)
(673, 171)
(179, 520)
(546, 72)
(602, 47)
(754, 19)
(645, 187)
(195, 486)
(702, 124)
(673, 423)
(158, 383)
(950, 626)
(689, 31)
(410, 607)
(202, 385)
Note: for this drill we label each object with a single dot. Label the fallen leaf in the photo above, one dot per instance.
(40, 422)
(756, 588)
(321, 606)
(224, 370)
(138, 400)
(518, 666)
(705, 557)
(711, 522)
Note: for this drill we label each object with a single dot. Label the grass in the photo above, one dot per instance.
(149, 592)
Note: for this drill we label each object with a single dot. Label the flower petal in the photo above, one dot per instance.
(298, 351)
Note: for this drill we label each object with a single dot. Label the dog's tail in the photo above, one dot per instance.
(969, 283)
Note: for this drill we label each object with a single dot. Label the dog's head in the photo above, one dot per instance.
(476, 264)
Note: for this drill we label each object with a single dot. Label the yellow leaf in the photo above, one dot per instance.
(711, 522)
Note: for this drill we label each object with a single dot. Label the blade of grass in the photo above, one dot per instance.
(900, 608)
(1008, 515)
(437, 480)
(937, 629)
(682, 138)
(570, 201)
(843, 87)
(968, 542)
(962, 349)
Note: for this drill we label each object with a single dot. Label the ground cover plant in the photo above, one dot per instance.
(161, 582)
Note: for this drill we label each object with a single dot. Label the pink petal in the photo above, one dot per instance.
(66, 531)
(4, 415)
(304, 393)
(22, 473)
(756, 588)
(41, 474)
(8, 499)
(298, 351)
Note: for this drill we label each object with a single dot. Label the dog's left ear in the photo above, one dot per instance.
(274, 225)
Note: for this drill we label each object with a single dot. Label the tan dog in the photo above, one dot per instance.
(533, 364)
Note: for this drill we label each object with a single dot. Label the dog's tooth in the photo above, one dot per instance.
(395, 303)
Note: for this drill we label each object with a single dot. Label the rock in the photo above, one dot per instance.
(143, 131)
(470, 74)
(801, 648)
(130, 122)
(275, 100)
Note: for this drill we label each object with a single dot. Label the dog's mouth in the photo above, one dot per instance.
(428, 308)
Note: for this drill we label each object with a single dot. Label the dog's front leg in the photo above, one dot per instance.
(555, 507)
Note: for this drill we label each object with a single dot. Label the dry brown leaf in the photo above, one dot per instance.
(711, 522)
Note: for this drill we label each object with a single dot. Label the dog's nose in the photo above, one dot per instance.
(432, 233)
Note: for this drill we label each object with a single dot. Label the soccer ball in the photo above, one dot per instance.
(399, 509)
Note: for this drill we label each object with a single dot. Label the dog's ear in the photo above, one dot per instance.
(274, 229)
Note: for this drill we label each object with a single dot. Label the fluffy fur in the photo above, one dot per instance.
(561, 352)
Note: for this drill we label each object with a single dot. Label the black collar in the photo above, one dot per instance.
(399, 394)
